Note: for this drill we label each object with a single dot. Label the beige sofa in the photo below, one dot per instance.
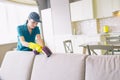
(20, 65)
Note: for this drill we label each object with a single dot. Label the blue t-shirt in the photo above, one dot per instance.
(23, 31)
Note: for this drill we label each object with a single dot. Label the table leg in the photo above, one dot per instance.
(84, 50)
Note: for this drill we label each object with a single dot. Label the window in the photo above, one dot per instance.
(12, 15)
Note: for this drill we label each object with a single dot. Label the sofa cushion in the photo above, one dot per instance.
(103, 67)
(59, 67)
(17, 65)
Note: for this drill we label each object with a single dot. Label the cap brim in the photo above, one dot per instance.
(38, 21)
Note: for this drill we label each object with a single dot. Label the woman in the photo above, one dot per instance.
(29, 34)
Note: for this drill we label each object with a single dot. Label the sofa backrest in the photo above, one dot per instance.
(59, 67)
(24, 65)
(103, 67)
(17, 65)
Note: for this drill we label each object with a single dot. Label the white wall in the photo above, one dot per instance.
(12, 15)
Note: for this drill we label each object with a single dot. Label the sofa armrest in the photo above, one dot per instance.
(17, 65)
(103, 67)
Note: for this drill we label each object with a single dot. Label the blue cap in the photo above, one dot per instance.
(35, 16)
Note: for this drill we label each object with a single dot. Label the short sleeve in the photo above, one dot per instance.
(37, 30)
(19, 30)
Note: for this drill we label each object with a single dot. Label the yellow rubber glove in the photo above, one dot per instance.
(38, 48)
(35, 46)
(32, 45)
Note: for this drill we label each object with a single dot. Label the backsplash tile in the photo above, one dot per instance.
(112, 22)
(91, 27)
(86, 27)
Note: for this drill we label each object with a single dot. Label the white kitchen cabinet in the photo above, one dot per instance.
(90, 9)
(54, 42)
(48, 28)
(102, 8)
(61, 17)
(56, 22)
(116, 5)
(81, 10)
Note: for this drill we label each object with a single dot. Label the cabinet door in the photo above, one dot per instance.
(116, 5)
(61, 17)
(81, 10)
(48, 28)
(103, 8)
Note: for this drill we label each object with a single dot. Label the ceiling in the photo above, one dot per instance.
(29, 2)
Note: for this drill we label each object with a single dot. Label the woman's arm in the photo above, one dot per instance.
(22, 40)
(39, 40)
